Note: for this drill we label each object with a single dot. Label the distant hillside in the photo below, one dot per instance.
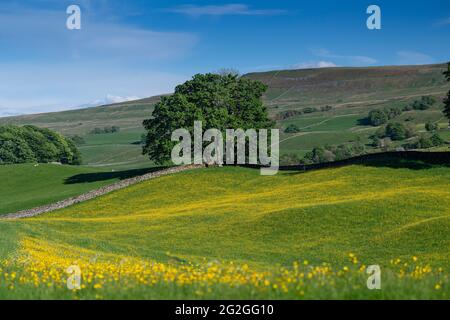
(339, 86)
(350, 92)
(130, 113)
(288, 89)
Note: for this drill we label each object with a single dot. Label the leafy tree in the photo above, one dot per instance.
(334, 153)
(14, 149)
(424, 143)
(290, 159)
(33, 144)
(319, 155)
(424, 103)
(392, 112)
(377, 117)
(431, 126)
(375, 141)
(437, 140)
(396, 131)
(292, 128)
(219, 101)
(344, 151)
(429, 100)
(447, 100)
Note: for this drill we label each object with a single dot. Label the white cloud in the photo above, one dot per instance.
(222, 10)
(412, 57)
(314, 65)
(347, 59)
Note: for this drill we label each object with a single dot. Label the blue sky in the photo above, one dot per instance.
(132, 49)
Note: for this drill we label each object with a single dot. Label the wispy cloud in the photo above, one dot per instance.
(45, 67)
(412, 57)
(44, 33)
(222, 10)
(346, 59)
(314, 65)
(30, 88)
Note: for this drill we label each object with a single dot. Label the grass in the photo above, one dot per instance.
(217, 216)
(26, 186)
(118, 151)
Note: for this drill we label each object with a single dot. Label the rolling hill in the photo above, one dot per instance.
(351, 92)
(205, 219)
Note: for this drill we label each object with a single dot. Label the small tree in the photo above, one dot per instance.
(290, 159)
(396, 131)
(430, 126)
(437, 140)
(292, 128)
(377, 117)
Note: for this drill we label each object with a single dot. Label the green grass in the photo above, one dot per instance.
(379, 212)
(118, 151)
(26, 186)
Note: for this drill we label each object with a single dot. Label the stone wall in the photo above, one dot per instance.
(96, 193)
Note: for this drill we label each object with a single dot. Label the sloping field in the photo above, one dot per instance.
(27, 185)
(194, 224)
(349, 87)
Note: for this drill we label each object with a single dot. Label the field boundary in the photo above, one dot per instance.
(434, 158)
(28, 213)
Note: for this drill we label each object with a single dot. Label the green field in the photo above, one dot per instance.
(28, 185)
(119, 151)
(229, 233)
(205, 219)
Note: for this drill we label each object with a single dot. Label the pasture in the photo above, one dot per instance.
(211, 218)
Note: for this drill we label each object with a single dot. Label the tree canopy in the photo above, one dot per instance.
(221, 101)
(32, 144)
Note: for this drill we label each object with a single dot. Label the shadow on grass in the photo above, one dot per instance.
(364, 122)
(103, 176)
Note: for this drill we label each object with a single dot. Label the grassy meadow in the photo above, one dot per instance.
(231, 233)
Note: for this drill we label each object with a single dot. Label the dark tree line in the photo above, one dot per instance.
(379, 117)
(112, 129)
(32, 144)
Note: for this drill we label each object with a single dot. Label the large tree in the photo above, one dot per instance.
(221, 101)
(447, 100)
